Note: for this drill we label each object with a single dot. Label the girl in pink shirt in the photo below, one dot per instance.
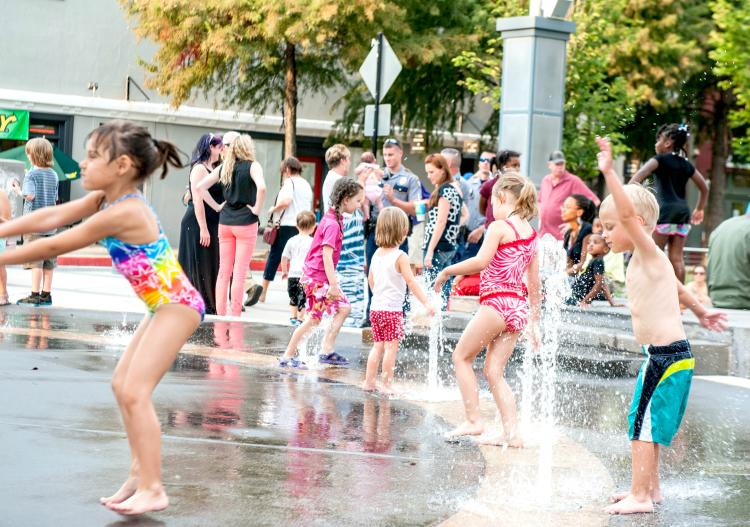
(319, 277)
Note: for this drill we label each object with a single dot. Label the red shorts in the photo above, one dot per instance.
(387, 326)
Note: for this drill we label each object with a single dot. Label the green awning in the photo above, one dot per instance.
(67, 169)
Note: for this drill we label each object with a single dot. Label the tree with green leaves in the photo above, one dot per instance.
(625, 55)
(726, 106)
(257, 55)
(261, 55)
(730, 41)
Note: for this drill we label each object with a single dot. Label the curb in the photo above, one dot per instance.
(106, 261)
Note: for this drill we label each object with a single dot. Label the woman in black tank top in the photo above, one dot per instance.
(671, 174)
(244, 190)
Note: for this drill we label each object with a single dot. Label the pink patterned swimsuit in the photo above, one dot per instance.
(501, 285)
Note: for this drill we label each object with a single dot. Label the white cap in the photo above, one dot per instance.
(228, 137)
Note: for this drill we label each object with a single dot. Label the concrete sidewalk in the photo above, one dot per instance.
(104, 289)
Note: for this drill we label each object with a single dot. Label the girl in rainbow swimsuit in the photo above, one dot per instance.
(119, 157)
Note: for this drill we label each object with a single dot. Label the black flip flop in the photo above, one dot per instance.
(252, 298)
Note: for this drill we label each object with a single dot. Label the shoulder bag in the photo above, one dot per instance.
(272, 227)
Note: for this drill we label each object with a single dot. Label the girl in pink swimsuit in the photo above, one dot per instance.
(120, 155)
(507, 254)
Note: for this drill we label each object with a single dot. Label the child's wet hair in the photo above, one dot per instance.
(643, 200)
(122, 137)
(344, 189)
(677, 133)
(392, 227)
(522, 189)
(305, 220)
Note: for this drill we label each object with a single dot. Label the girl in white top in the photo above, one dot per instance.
(389, 276)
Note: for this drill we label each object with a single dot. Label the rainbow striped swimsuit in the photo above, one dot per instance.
(153, 270)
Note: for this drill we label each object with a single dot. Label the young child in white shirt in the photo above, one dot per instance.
(292, 263)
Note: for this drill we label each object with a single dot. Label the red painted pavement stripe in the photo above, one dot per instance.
(105, 261)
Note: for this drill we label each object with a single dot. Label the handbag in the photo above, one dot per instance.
(186, 196)
(272, 227)
(271, 231)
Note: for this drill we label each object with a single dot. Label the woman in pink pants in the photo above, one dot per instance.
(244, 190)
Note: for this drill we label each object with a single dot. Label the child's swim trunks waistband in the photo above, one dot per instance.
(678, 346)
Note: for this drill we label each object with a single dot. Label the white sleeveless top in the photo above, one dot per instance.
(390, 287)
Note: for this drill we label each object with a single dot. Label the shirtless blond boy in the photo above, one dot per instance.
(629, 217)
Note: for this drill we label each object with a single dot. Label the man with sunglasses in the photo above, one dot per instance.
(475, 225)
(556, 187)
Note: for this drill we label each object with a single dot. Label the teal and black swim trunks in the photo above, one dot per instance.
(661, 392)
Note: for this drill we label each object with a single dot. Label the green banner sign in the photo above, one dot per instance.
(14, 125)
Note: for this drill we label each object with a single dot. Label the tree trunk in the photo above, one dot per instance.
(720, 138)
(290, 101)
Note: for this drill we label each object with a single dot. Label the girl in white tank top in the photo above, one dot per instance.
(389, 286)
(389, 275)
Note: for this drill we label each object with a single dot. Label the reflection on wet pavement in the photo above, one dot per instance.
(705, 472)
(254, 445)
(242, 445)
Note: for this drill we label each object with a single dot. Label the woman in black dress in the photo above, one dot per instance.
(199, 230)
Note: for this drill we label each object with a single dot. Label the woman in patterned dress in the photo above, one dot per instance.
(443, 221)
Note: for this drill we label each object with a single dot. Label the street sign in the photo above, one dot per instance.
(391, 67)
(384, 119)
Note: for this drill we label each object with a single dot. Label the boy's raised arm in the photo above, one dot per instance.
(625, 208)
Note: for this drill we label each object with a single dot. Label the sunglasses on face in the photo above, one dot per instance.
(486, 159)
(699, 272)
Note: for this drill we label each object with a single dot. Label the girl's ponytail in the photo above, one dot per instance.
(587, 206)
(678, 133)
(526, 205)
(167, 155)
(522, 189)
(127, 138)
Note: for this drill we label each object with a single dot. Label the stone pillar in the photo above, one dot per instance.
(533, 88)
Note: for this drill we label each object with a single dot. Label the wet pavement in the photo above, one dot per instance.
(248, 444)
(705, 472)
(242, 445)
